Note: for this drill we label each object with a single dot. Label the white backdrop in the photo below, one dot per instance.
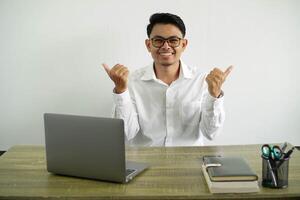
(51, 51)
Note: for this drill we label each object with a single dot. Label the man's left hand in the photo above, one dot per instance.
(215, 79)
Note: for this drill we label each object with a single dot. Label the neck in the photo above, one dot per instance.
(167, 74)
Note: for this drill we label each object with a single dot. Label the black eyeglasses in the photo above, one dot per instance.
(160, 41)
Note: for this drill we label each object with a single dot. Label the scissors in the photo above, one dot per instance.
(271, 152)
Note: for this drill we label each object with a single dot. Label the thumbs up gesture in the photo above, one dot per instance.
(215, 79)
(119, 75)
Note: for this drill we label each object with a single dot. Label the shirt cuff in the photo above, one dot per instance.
(122, 98)
(215, 102)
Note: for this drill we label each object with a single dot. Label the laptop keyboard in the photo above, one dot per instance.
(129, 171)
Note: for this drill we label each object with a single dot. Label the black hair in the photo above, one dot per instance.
(165, 18)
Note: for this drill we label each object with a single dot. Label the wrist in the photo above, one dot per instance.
(217, 94)
(119, 91)
(221, 94)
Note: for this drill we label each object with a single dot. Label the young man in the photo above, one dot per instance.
(168, 103)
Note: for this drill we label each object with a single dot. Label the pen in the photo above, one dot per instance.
(283, 147)
(288, 154)
(286, 157)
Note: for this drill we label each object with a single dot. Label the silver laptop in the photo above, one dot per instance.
(88, 147)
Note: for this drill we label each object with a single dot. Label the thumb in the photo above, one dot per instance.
(228, 70)
(106, 67)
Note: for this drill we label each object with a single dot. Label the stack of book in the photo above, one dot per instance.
(229, 175)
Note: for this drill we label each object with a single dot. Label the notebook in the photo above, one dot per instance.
(229, 175)
(88, 147)
(230, 169)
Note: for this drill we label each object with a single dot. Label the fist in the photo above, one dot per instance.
(215, 79)
(119, 75)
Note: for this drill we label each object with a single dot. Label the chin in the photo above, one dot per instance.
(167, 63)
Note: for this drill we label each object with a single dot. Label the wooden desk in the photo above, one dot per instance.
(175, 174)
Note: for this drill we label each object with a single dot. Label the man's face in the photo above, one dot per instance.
(166, 53)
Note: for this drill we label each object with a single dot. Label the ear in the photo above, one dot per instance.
(184, 43)
(148, 43)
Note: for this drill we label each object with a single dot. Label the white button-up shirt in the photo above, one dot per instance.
(157, 114)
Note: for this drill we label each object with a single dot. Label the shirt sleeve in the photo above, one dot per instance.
(212, 115)
(125, 109)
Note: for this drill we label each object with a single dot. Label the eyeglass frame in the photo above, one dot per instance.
(165, 40)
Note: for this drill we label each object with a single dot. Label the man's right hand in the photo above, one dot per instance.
(119, 75)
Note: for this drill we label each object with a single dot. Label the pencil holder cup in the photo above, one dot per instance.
(275, 174)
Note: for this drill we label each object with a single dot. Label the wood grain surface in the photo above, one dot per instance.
(175, 173)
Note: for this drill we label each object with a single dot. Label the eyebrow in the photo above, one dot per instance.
(158, 36)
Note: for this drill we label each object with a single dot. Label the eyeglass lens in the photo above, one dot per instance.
(159, 42)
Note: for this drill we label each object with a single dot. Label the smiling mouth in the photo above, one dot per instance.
(166, 53)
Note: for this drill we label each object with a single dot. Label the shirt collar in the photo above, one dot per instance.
(149, 73)
(185, 72)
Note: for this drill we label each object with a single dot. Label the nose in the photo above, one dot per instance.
(165, 45)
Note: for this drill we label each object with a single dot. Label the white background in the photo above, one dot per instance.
(51, 51)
